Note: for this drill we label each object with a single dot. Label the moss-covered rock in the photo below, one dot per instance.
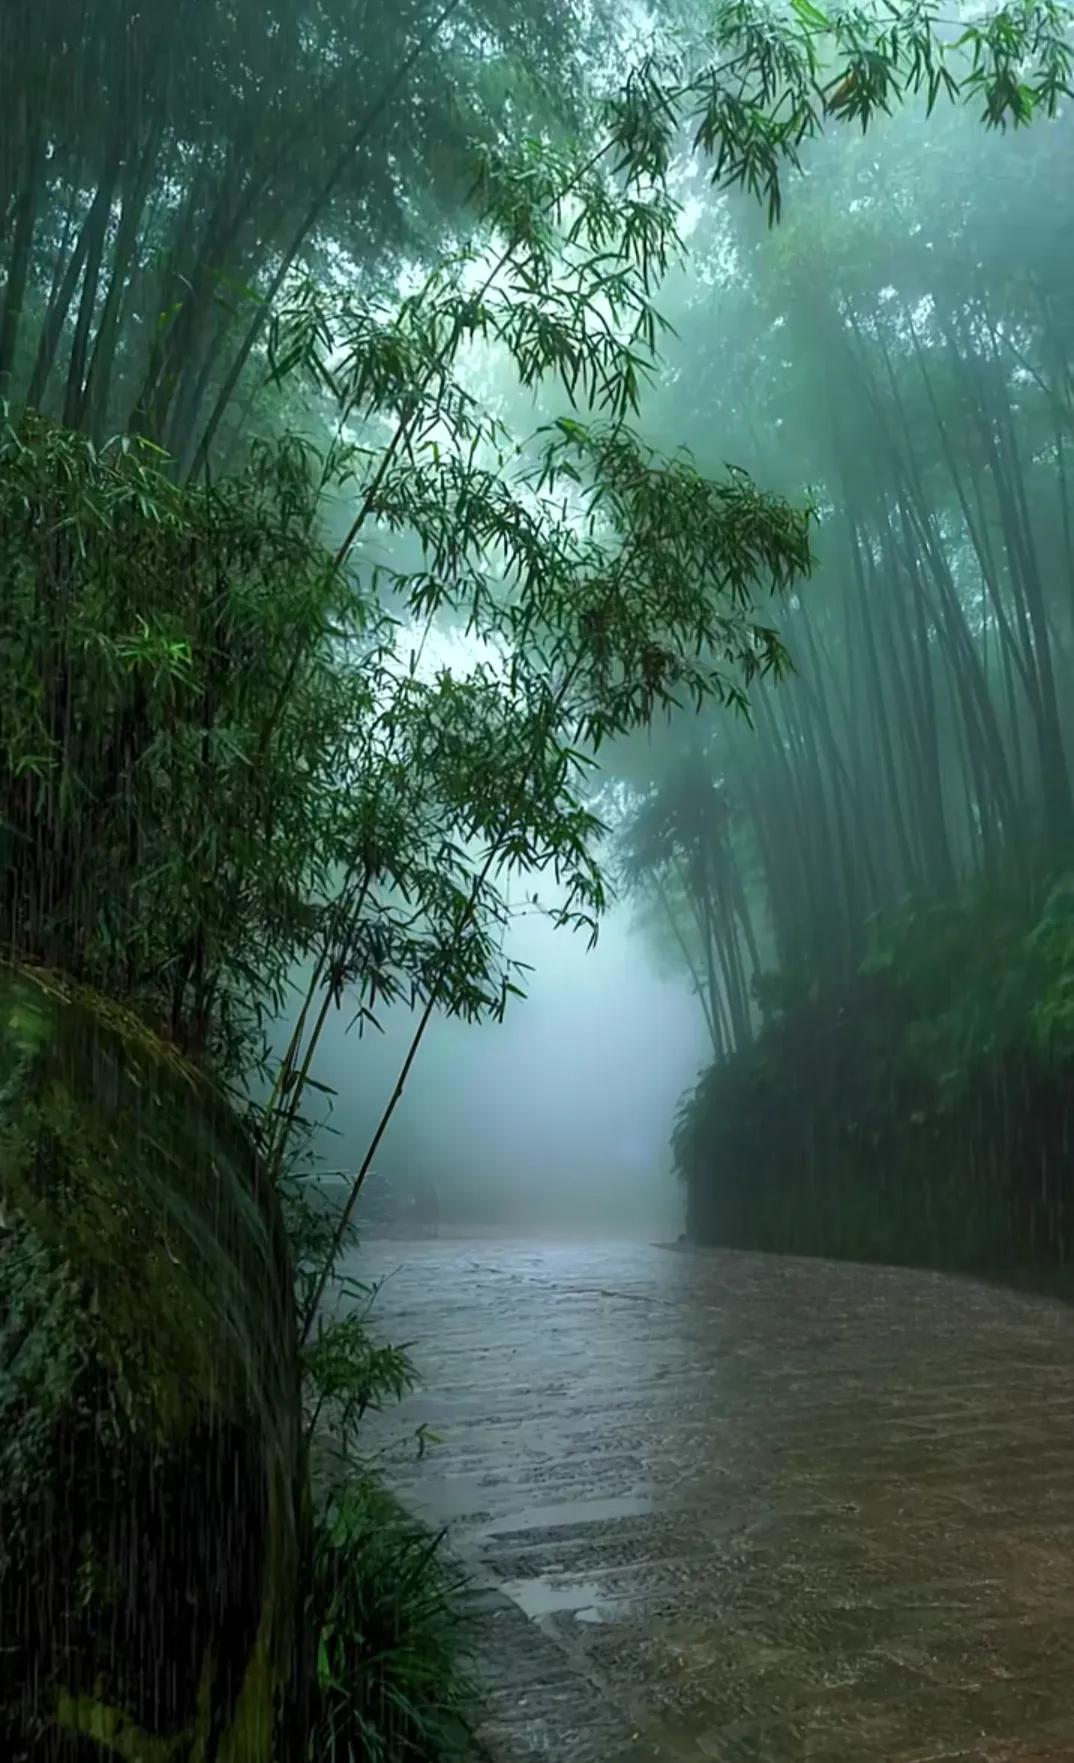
(150, 1435)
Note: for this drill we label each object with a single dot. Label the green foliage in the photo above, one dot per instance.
(607, 583)
(200, 164)
(280, 780)
(1047, 973)
(901, 344)
(167, 823)
(346, 1371)
(150, 1422)
(678, 853)
(773, 80)
(920, 1112)
(390, 1683)
(176, 168)
(223, 754)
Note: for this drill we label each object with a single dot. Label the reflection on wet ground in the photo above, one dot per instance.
(741, 1508)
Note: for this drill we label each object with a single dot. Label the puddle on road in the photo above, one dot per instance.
(463, 1503)
(586, 1601)
(568, 1513)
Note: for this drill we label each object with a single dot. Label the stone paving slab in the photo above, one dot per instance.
(742, 1508)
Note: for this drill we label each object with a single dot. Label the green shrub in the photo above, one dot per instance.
(169, 795)
(389, 1685)
(389, 1681)
(920, 1113)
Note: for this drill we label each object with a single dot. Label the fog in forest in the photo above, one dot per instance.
(698, 534)
(843, 910)
(556, 1120)
(563, 468)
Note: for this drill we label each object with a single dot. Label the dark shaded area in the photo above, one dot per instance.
(151, 1574)
(919, 1113)
(127, 1581)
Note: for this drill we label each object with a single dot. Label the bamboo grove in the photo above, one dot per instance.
(331, 331)
(166, 169)
(870, 883)
(243, 473)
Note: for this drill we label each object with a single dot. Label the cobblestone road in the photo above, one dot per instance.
(746, 1509)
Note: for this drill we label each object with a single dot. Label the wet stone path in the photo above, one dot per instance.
(741, 1508)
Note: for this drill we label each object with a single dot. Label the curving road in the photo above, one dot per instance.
(743, 1508)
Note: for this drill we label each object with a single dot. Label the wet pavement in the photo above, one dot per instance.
(744, 1508)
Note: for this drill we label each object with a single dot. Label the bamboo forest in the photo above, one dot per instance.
(536, 881)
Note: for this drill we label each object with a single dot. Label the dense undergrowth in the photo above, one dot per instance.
(390, 1684)
(922, 1112)
(171, 807)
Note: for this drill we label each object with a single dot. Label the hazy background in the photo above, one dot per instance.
(557, 1119)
